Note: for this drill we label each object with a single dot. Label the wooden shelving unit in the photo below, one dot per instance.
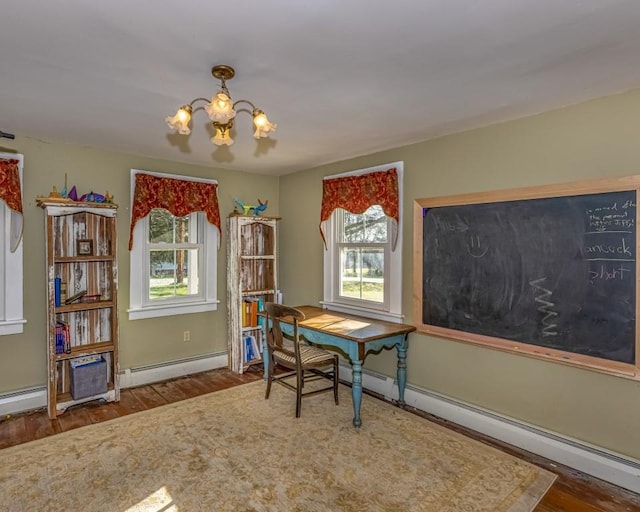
(251, 281)
(93, 325)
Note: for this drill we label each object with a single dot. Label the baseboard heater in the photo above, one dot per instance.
(147, 374)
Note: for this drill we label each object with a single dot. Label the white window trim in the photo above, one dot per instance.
(139, 308)
(331, 262)
(11, 272)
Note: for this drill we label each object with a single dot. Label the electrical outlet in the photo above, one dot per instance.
(186, 336)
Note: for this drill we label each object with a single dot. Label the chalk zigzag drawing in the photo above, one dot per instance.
(545, 307)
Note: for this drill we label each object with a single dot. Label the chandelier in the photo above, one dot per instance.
(222, 112)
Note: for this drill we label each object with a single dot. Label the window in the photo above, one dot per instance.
(173, 262)
(174, 250)
(362, 273)
(362, 249)
(11, 274)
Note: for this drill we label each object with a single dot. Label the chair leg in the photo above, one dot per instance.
(336, 378)
(299, 384)
(269, 377)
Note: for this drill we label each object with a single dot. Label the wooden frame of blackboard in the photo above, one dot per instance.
(627, 369)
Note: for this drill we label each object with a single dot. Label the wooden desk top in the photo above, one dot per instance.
(355, 328)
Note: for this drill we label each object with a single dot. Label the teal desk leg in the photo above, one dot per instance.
(401, 348)
(356, 390)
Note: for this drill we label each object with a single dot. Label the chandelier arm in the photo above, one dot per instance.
(244, 101)
(238, 110)
(198, 99)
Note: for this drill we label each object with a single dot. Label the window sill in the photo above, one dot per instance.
(12, 326)
(137, 313)
(366, 312)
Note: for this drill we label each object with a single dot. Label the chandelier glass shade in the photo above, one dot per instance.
(221, 111)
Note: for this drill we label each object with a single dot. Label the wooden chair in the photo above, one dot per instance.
(306, 362)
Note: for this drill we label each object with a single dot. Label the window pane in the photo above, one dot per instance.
(174, 273)
(370, 226)
(362, 273)
(165, 228)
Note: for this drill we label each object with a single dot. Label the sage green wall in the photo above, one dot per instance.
(592, 140)
(142, 342)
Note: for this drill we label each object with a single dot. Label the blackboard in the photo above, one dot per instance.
(555, 273)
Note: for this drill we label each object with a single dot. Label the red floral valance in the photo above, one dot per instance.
(179, 197)
(10, 184)
(356, 194)
(11, 194)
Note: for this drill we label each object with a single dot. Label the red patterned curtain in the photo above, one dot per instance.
(357, 193)
(179, 197)
(11, 194)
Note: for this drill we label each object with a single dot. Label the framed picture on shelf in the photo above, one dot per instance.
(84, 247)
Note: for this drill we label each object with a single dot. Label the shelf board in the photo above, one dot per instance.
(258, 257)
(249, 293)
(84, 306)
(87, 350)
(252, 363)
(63, 206)
(75, 259)
(251, 328)
(261, 218)
(64, 400)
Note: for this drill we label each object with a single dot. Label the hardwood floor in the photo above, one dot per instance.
(573, 491)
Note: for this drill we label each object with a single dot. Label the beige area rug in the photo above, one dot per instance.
(234, 451)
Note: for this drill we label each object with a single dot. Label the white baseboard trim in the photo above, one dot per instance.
(142, 375)
(599, 462)
(23, 400)
(35, 398)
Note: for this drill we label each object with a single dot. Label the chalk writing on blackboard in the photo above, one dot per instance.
(555, 272)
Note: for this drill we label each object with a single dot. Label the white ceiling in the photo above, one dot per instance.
(340, 78)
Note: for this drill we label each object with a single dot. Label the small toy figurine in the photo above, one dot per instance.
(246, 208)
(64, 191)
(92, 197)
(262, 207)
